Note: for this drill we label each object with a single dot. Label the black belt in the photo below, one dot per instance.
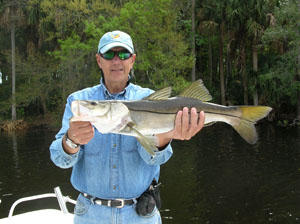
(116, 203)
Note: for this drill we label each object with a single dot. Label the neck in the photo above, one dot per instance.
(115, 87)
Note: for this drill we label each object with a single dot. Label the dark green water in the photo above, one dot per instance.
(214, 178)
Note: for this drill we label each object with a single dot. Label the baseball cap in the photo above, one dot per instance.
(115, 39)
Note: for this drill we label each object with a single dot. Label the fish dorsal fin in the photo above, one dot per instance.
(161, 94)
(197, 90)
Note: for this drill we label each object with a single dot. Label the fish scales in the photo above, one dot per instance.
(173, 105)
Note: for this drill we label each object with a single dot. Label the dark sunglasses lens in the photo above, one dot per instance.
(123, 55)
(109, 55)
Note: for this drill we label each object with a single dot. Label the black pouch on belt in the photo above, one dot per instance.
(147, 201)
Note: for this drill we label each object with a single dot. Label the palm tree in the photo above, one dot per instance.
(215, 14)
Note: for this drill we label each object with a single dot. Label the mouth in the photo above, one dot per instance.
(117, 70)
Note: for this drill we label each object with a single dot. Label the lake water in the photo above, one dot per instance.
(214, 178)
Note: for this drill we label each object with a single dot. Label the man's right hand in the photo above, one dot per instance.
(80, 132)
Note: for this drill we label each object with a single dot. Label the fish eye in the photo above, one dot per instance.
(93, 103)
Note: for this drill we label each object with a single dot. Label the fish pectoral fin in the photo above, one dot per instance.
(147, 142)
(162, 94)
(197, 90)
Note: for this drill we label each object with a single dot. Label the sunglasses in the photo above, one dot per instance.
(123, 55)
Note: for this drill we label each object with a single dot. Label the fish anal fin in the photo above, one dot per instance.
(161, 94)
(197, 90)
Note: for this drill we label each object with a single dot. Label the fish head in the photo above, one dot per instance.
(90, 108)
(107, 116)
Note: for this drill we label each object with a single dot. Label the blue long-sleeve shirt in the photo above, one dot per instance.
(110, 166)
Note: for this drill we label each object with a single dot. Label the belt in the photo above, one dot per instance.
(116, 203)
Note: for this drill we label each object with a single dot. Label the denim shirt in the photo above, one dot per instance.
(110, 166)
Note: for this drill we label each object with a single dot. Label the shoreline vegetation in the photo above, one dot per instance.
(246, 52)
(46, 122)
(16, 125)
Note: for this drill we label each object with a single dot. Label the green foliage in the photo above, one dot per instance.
(162, 54)
(57, 42)
(281, 80)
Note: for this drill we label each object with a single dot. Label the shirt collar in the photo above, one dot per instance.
(123, 94)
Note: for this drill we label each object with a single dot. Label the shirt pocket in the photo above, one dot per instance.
(95, 146)
(129, 143)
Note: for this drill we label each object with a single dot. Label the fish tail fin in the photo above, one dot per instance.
(250, 115)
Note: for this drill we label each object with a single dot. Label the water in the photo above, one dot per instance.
(214, 178)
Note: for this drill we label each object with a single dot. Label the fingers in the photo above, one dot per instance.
(201, 121)
(188, 125)
(185, 124)
(81, 132)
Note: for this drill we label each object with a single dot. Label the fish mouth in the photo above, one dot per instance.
(79, 108)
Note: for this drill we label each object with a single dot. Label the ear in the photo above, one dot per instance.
(133, 59)
(98, 58)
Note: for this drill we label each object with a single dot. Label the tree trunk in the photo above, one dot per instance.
(244, 73)
(255, 69)
(193, 41)
(13, 69)
(210, 60)
(43, 99)
(298, 71)
(221, 70)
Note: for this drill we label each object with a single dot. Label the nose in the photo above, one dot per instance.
(116, 58)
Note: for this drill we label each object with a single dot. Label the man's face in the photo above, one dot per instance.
(116, 70)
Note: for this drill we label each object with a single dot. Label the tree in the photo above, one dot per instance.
(215, 15)
(11, 18)
(163, 56)
(281, 79)
(193, 41)
(298, 69)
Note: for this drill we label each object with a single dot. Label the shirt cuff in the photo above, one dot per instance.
(60, 157)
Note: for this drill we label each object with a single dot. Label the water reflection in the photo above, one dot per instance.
(214, 178)
(15, 150)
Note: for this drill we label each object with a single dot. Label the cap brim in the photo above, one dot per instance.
(115, 44)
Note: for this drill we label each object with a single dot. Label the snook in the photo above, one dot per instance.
(156, 114)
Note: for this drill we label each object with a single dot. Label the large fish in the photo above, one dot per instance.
(156, 114)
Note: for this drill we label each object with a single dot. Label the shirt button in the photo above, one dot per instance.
(114, 187)
(114, 166)
(114, 145)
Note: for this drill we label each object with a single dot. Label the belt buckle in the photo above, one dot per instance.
(122, 203)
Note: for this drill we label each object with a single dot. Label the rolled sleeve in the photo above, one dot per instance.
(59, 157)
(159, 158)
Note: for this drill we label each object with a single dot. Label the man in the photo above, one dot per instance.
(112, 171)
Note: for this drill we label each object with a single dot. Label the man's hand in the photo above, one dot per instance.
(80, 132)
(186, 126)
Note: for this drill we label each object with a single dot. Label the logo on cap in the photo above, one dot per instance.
(115, 36)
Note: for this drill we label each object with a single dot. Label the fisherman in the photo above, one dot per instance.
(116, 177)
